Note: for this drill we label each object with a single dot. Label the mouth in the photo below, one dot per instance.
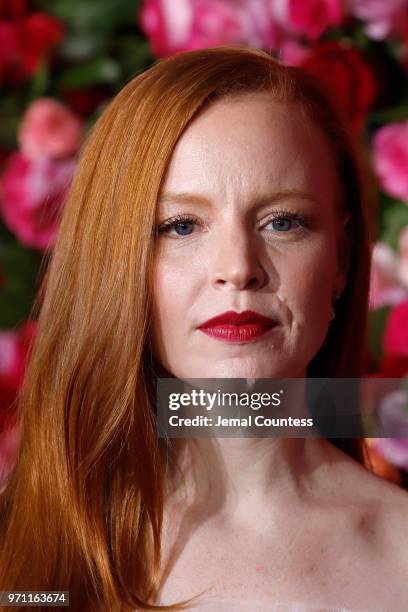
(236, 327)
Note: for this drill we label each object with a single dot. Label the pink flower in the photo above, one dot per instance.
(312, 18)
(292, 52)
(15, 347)
(393, 449)
(385, 286)
(393, 417)
(182, 25)
(33, 193)
(395, 339)
(383, 18)
(49, 128)
(390, 158)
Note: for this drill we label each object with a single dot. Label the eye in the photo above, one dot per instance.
(182, 224)
(283, 221)
(282, 224)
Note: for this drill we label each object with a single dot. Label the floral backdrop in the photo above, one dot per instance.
(61, 61)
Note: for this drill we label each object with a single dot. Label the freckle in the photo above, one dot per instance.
(365, 524)
(311, 568)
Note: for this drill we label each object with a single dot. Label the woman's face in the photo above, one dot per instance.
(256, 189)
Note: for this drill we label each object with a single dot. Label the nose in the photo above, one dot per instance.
(235, 260)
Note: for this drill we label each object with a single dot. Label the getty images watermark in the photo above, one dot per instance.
(297, 407)
(219, 399)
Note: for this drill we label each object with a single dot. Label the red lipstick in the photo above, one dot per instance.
(234, 326)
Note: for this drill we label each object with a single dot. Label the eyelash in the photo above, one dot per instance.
(164, 227)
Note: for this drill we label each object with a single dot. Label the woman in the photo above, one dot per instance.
(175, 215)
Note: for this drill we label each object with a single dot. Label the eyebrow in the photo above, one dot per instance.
(193, 198)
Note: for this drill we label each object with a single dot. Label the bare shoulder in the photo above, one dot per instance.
(389, 499)
(392, 519)
(381, 514)
(389, 541)
(368, 526)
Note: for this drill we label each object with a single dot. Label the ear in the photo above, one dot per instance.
(343, 254)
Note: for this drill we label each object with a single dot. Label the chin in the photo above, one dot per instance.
(237, 368)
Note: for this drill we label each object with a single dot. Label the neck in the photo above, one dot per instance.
(237, 479)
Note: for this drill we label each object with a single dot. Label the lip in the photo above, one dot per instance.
(231, 326)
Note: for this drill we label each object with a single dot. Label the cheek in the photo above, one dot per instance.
(307, 281)
(172, 287)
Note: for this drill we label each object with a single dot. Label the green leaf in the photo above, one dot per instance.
(404, 387)
(81, 46)
(393, 218)
(20, 267)
(134, 54)
(40, 81)
(377, 320)
(8, 131)
(12, 107)
(360, 39)
(101, 70)
(389, 115)
(103, 16)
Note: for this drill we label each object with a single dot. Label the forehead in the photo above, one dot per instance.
(251, 143)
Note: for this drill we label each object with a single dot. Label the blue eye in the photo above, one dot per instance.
(184, 223)
(183, 227)
(281, 224)
(284, 220)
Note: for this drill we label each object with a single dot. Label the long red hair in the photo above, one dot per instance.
(83, 508)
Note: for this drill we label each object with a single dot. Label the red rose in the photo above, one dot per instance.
(85, 101)
(395, 339)
(9, 48)
(312, 18)
(347, 77)
(24, 42)
(13, 9)
(393, 366)
(39, 33)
